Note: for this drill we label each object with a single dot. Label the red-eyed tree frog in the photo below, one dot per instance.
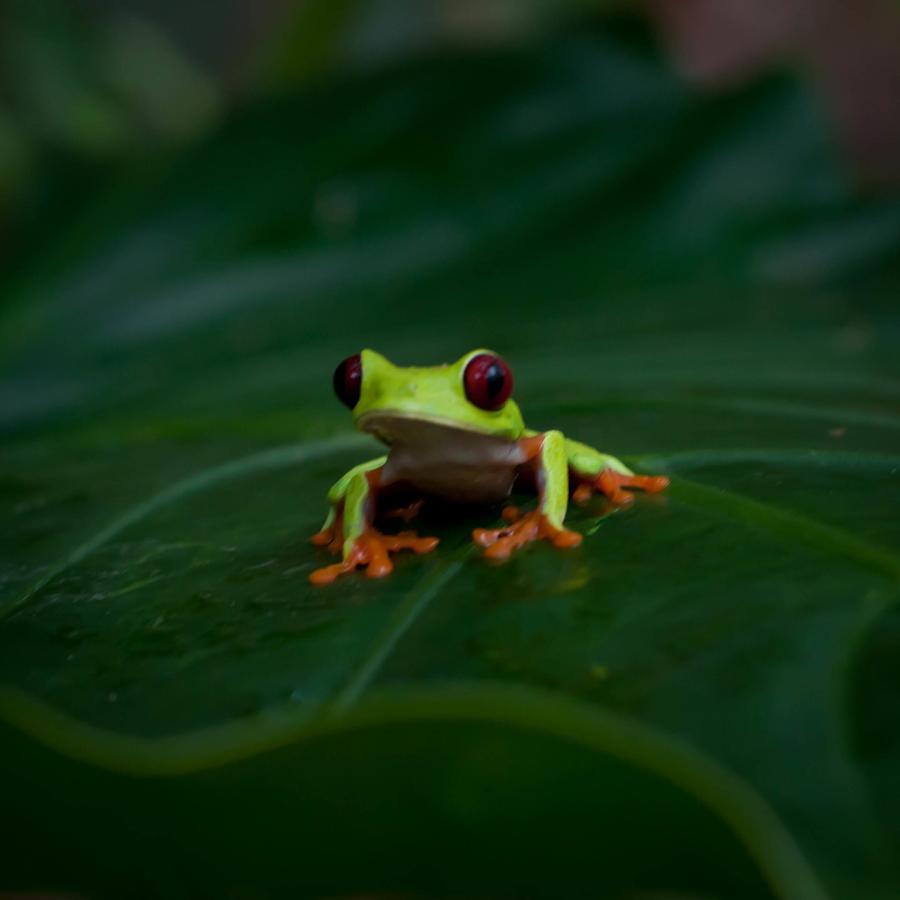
(453, 431)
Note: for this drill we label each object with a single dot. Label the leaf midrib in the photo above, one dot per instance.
(275, 458)
(406, 613)
(740, 808)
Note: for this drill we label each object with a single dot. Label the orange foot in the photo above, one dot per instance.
(611, 483)
(331, 537)
(522, 529)
(407, 513)
(371, 549)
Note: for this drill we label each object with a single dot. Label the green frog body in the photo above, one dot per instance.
(454, 431)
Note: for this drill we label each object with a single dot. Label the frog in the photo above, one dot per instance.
(454, 432)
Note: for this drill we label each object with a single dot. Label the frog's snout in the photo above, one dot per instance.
(408, 391)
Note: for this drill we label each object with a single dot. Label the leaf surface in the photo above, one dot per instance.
(697, 700)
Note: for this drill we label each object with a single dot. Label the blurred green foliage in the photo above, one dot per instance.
(78, 96)
(700, 702)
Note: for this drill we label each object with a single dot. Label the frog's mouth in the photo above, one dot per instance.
(436, 437)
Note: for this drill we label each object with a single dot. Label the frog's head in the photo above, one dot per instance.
(391, 402)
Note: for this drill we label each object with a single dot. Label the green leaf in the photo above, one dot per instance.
(697, 702)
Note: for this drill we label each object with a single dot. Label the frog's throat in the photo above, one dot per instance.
(393, 426)
(438, 456)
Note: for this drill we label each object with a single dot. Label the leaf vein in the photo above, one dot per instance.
(276, 458)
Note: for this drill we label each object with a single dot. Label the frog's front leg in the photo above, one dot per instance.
(348, 528)
(547, 453)
(597, 472)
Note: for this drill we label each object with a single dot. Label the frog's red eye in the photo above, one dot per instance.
(488, 381)
(347, 380)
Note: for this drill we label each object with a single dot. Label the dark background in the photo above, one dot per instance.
(679, 223)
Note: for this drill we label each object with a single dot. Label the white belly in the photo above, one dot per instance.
(450, 462)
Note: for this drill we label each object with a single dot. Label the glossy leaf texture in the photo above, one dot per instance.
(698, 702)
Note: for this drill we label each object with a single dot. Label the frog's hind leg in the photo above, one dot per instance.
(348, 528)
(595, 472)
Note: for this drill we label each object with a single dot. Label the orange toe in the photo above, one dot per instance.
(500, 543)
(511, 513)
(565, 539)
(372, 550)
(651, 484)
(331, 537)
(327, 574)
(611, 484)
(322, 538)
(406, 513)
(582, 493)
